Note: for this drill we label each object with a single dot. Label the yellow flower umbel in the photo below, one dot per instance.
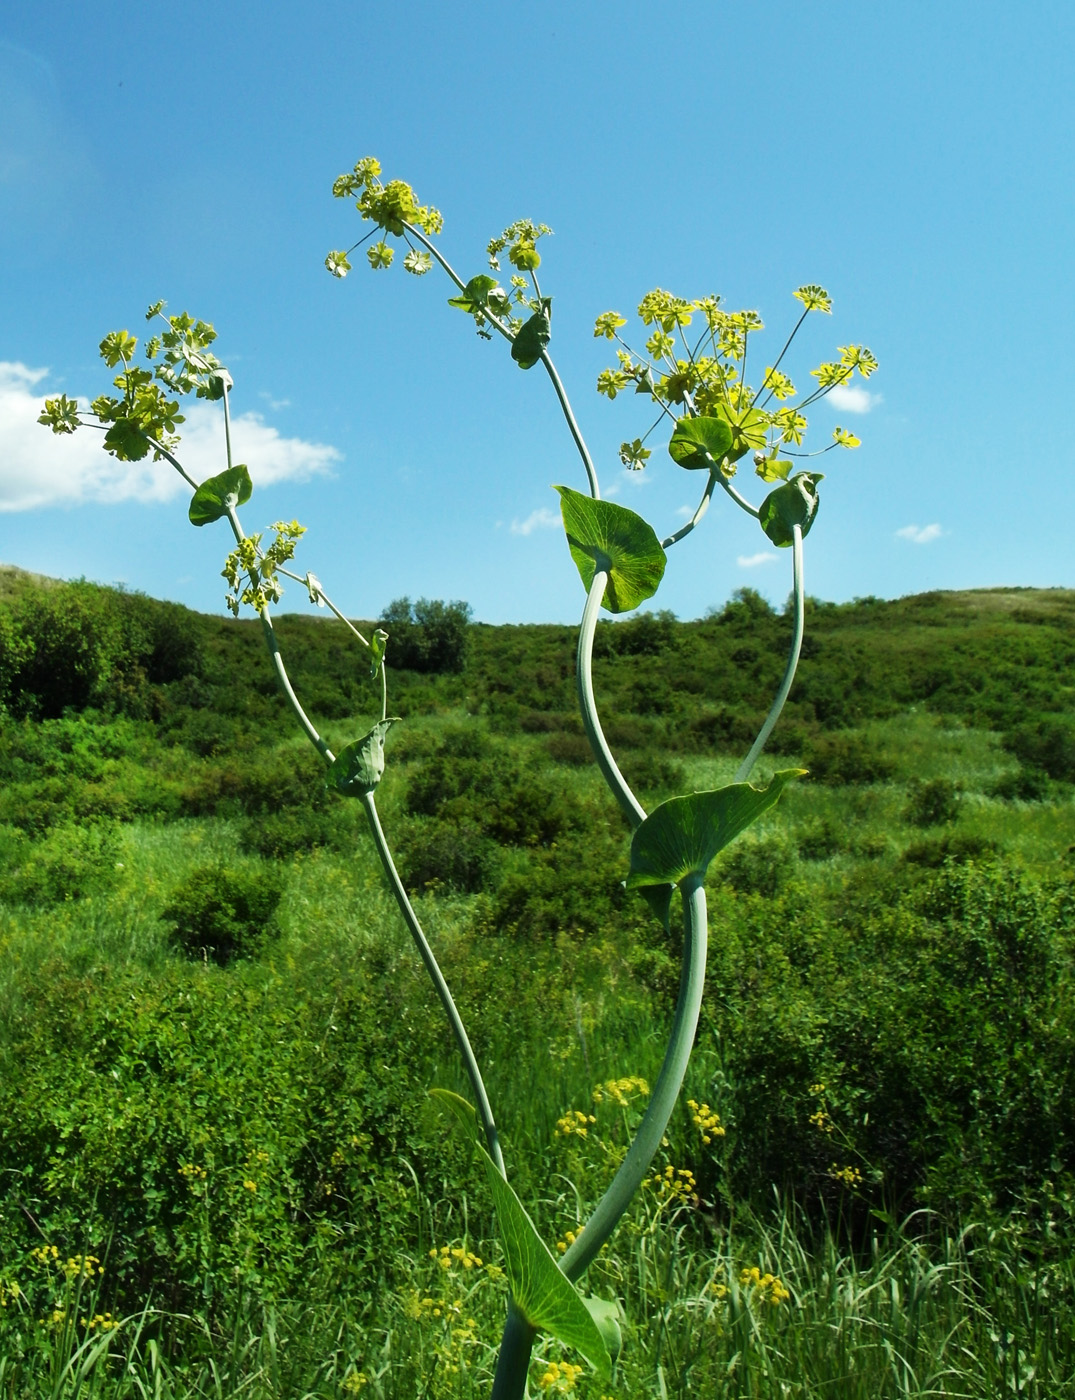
(763, 1288)
(706, 1121)
(559, 1376)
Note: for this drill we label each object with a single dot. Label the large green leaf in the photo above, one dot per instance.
(546, 1298)
(604, 536)
(681, 836)
(213, 497)
(360, 766)
(700, 444)
(531, 339)
(475, 294)
(750, 427)
(794, 503)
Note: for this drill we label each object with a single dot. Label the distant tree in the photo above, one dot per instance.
(429, 635)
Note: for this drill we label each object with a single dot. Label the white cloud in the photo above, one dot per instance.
(39, 469)
(924, 534)
(274, 404)
(853, 398)
(541, 519)
(752, 561)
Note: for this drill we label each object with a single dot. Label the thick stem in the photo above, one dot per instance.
(662, 1102)
(629, 803)
(512, 1364)
(462, 1040)
(793, 660)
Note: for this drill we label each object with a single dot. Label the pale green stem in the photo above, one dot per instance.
(629, 803)
(793, 660)
(703, 506)
(227, 426)
(328, 604)
(278, 661)
(628, 1179)
(462, 1040)
(163, 451)
(739, 500)
(561, 393)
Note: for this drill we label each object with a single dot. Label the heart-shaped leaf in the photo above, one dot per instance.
(360, 766)
(542, 1293)
(794, 503)
(531, 339)
(700, 444)
(213, 497)
(680, 837)
(604, 536)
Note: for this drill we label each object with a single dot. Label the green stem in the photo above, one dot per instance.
(662, 1102)
(512, 1364)
(629, 803)
(410, 918)
(739, 500)
(793, 661)
(703, 506)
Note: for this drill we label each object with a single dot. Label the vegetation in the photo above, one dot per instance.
(886, 1030)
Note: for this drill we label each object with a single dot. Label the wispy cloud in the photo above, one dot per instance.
(754, 561)
(38, 469)
(541, 519)
(853, 398)
(920, 534)
(274, 404)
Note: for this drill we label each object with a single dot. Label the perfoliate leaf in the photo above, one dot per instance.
(749, 427)
(604, 536)
(608, 1316)
(213, 497)
(700, 443)
(546, 1298)
(473, 296)
(360, 766)
(126, 440)
(377, 646)
(681, 836)
(216, 383)
(794, 503)
(531, 339)
(313, 587)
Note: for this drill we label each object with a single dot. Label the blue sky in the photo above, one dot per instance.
(915, 159)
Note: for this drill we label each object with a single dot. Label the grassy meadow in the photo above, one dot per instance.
(221, 1174)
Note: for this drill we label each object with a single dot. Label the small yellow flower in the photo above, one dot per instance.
(249, 1185)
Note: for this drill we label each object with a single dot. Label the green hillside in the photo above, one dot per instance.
(216, 1040)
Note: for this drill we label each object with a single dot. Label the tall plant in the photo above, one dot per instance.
(693, 377)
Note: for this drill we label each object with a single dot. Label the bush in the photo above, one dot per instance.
(763, 866)
(1049, 745)
(839, 759)
(69, 862)
(933, 803)
(222, 913)
(438, 856)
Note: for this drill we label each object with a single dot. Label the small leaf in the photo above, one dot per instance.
(700, 443)
(360, 766)
(771, 469)
(542, 1293)
(213, 497)
(474, 295)
(794, 503)
(680, 837)
(313, 587)
(604, 536)
(531, 339)
(377, 646)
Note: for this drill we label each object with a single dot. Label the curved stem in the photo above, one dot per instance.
(565, 407)
(793, 660)
(703, 506)
(629, 803)
(410, 918)
(163, 452)
(278, 661)
(512, 1364)
(665, 1092)
(739, 500)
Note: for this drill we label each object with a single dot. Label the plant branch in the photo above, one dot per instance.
(739, 500)
(793, 660)
(630, 805)
(651, 1130)
(462, 1041)
(703, 506)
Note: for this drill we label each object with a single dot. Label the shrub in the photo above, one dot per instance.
(222, 913)
(933, 803)
(846, 758)
(762, 866)
(1049, 745)
(440, 856)
(69, 862)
